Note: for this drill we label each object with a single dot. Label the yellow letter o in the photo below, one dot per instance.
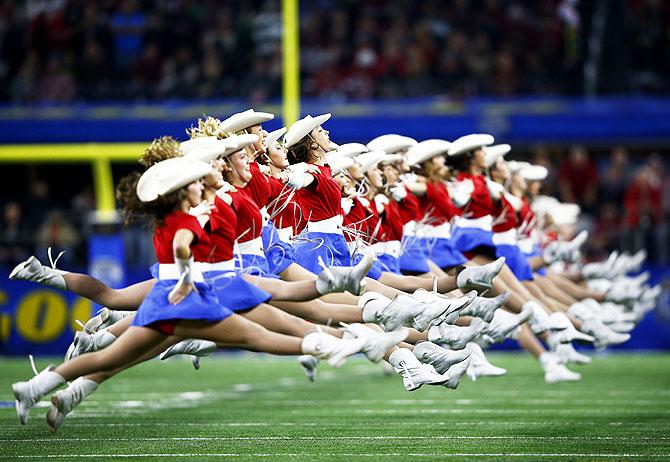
(41, 316)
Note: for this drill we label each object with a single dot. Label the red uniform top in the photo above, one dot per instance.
(283, 198)
(222, 231)
(258, 188)
(357, 219)
(392, 222)
(504, 216)
(249, 220)
(437, 204)
(164, 235)
(480, 203)
(321, 199)
(364, 218)
(527, 217)
(408, 208)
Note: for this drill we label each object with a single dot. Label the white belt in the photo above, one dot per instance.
(252, 247)
(526, 245)
(392, 248)
(228, 265)
(505, 238)
(171, 271)
(484, 223)
(285, 234)
(331, 225)
(442, 231)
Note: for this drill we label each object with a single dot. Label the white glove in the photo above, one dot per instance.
(461, 192)
(409, 178)
(203, 208)
(398, 192)
(201, 212)
(496, 189)
(185, 284)
(347, 203)
(381, 201)
(226, 188)
(296, 175)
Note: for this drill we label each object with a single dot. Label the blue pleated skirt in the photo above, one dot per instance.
(280, 255)
(537, 252)
(376, 269)
(331, 247)
(467, 239)
(443, 252)
(516, 261)
(389, 263)
(417, 250)
(234, 291)
(202, 305)
(256, 265)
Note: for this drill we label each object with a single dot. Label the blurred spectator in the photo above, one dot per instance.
(643, 198)
(58, 233)
(14, 236)
(615, 177)
(349, 49)
(57, 85)
(643, 202)
(606, 236)
(578, 179)
(127, 26)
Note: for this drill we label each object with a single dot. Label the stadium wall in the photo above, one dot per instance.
(606, 121)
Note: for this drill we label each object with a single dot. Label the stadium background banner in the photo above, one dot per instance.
(635, 120)
(41, 321)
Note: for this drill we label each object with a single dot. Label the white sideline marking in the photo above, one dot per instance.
(507, 423)
(338, 438)
(317, 455)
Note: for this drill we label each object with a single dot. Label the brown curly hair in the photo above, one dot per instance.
(160, 149)
(133, 209)
(299, 152)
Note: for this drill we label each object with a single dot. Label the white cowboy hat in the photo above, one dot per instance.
(244, 120)
(469, 142)
(368, 160)
(351, 149)
(339, 164)
(391, 143)
(302, 128)
(273, 137)
(493, 153)
(390, 158)
(515, 166)
(425, 150)
(169, 175)
(207, 148)
(243, 140)
(534, 172)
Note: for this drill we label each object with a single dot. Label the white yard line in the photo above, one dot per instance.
(353, 437)
(318, 455)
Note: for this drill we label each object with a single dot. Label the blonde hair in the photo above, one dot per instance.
(160, 149)
(207, 126)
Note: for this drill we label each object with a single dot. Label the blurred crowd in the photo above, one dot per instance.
(73, 50)
(625, 201)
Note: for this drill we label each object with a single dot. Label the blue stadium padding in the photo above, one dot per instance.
(519, 120)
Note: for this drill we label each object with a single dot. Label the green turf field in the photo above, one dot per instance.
(261, 408)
